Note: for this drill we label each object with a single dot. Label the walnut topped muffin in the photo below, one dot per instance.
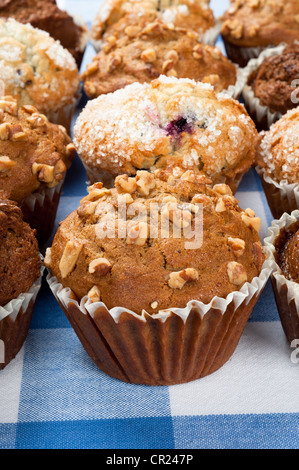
(45, 15)
(157, 49)
(34, 153)
(249, 25)
(87, 259)
(158, 276)
(168, 122)
(116, 17)
(37, 70)
(20, 262)
(34, 157)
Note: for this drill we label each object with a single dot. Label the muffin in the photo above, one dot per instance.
(277, 160)
(117, 17)
(161, 297)
(38, 71)
(250, 26)
(168, 123)
(282, 247)
(271, 88)
(158, 49)
(20, 277)
(45, 14)
(34, 157)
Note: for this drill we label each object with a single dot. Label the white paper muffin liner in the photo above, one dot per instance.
(281, 197)
(176, 345)
(286, 291)
(261, 115)
(39, 210)
(210, 36)
(15, 319)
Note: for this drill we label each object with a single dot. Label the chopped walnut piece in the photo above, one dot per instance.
(137, 234)
(96, 191)
(145, 182)
(94, 294)
(5, 131)
(236, 273)
(254, 222)
(48, 258)
(99, 267)
(44, 173)
(178, 279)
(6, 164)
(149, 55)
(69, 257)
(237, 245)
(126, 184)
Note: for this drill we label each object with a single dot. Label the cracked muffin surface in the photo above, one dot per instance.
(167, 123)
(19, 258)
(110, 255)
(156, 49)
(115, 16)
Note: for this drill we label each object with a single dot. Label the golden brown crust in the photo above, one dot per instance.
(169, 122)
(45, 15)
(156, 49)
(278, 149)
(115, 16)
(35, 68)
(19, 259)
(252, 23)
(33, 152)
(137, 269)
(273, 81)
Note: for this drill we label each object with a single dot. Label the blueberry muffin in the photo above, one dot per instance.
(249, 26)
(169, 122)
(20, 266)
(38, 71)
(45, 15)
(277, 160)
(137, 289)
(34, 157)
(117, 17)
(157, 49)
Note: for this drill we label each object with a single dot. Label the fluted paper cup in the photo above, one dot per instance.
(281, 197)
(174, 346)
(242, 55)
(286, 292)
(15, 318)
(39, 211)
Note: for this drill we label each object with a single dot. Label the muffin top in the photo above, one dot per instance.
(251, 23)
(33, 152)
(287, 251)
(35, 68)
(278, 149)
(139, 244)
(168, 122)
(273, 81)
(157, 49)
(19, 258)
(116, 16)
(45, 15)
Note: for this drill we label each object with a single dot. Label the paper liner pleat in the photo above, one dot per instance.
(173, 346)
(286, 292)
(242, 55)
(281, 197)
(39, 211)
(15, 318)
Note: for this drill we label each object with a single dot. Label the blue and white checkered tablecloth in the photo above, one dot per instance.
(53, 396)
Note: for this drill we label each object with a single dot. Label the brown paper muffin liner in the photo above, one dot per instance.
(174, 346)
(39, 211)
(281, 197)
(15, 318)
(261, 115)
(63, 116)
(242, 55)
(286, 292)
